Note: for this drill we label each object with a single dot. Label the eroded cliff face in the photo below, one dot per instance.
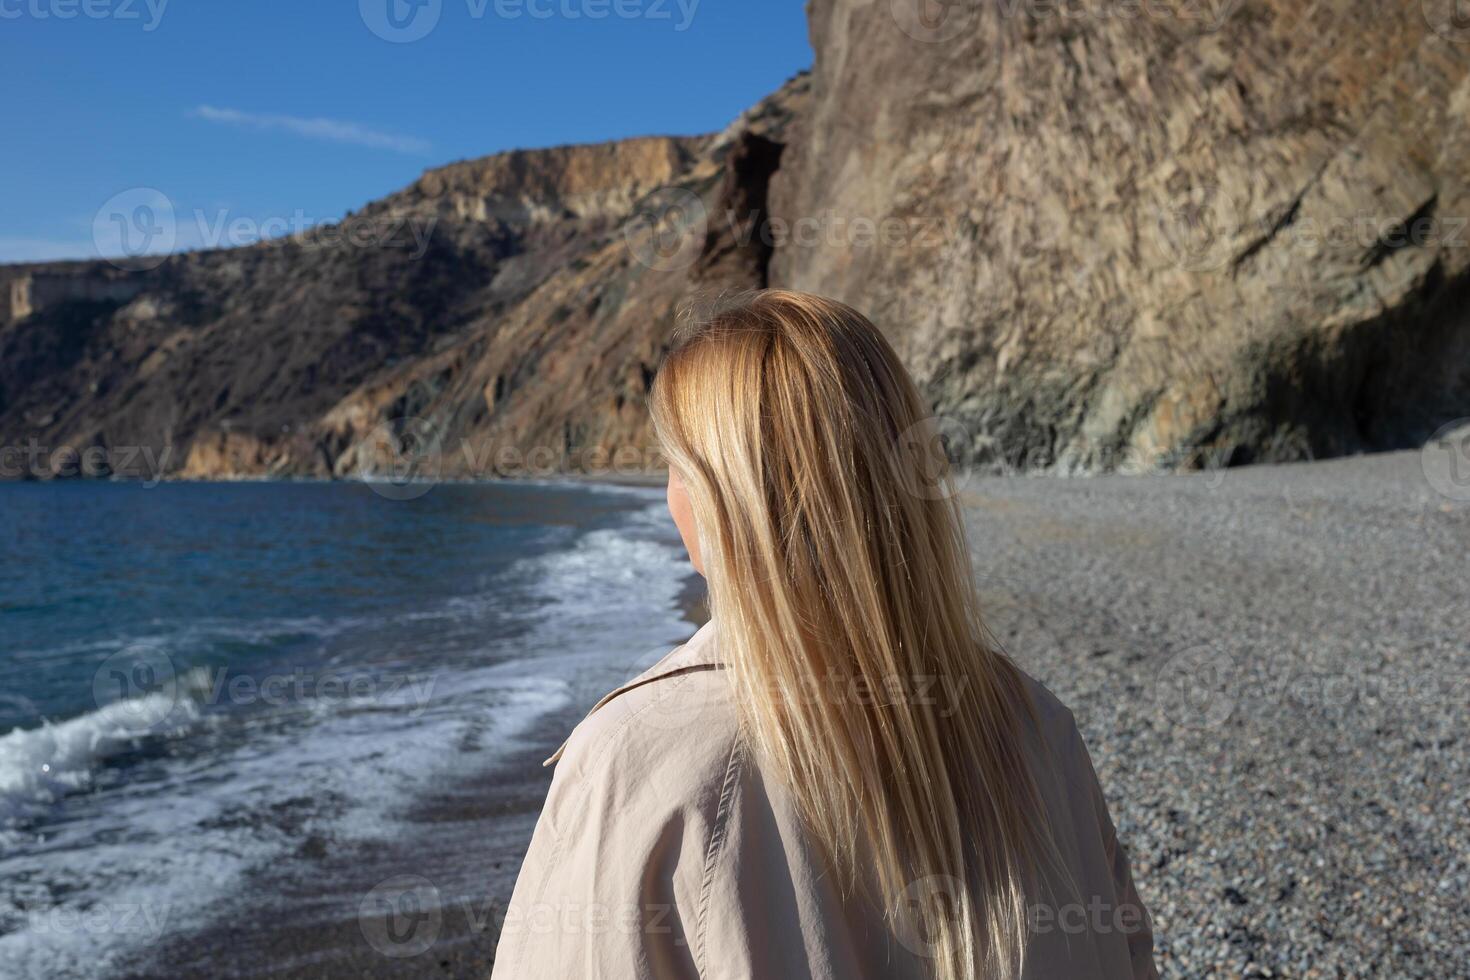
(500, 316)
(1121, 235)
(1103, 235)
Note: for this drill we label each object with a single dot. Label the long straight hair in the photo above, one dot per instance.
(841, 593)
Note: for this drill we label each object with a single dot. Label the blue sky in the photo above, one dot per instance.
(268, 114)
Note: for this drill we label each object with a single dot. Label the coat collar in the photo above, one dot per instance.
(697, 653)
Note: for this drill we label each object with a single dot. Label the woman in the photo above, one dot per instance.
(840, 775)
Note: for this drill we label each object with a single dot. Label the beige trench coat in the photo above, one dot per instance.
(663, 853)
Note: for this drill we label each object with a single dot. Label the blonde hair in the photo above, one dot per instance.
(832, 552)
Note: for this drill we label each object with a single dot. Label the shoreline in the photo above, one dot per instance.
(465, 840)
(461, 845)
(657, 478)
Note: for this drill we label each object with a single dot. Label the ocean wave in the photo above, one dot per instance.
(234, 791)
(38, 766)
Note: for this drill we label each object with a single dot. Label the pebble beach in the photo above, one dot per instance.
(1270, 667)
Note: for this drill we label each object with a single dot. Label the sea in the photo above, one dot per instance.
(181, 664)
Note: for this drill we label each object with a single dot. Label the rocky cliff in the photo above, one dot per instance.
(1103, 234)
(1132, 234)
(499, 316)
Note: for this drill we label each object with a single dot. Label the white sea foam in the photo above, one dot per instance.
(140, 858)
(613, 596)
(40, 765)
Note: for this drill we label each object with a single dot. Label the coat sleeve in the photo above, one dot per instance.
(1133, 918)
(604, 891)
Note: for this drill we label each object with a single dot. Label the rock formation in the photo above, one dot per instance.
(1142, 234)
(500, 316)
(1103, 233)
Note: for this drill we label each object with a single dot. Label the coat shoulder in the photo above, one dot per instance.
(671, 739)
(1054, 718)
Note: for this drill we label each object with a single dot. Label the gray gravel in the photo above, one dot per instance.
(1271, 667)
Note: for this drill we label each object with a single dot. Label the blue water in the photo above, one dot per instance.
(180, 665)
